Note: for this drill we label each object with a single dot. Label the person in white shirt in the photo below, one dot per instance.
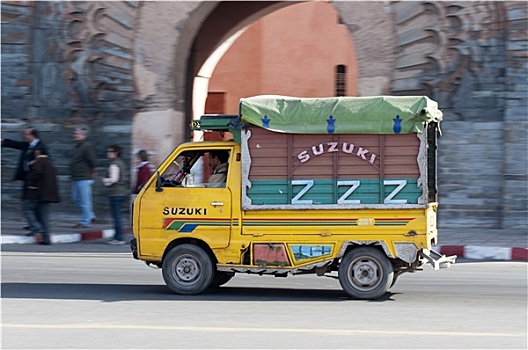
(117, 190)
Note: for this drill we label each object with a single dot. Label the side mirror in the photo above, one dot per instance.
(158, 182)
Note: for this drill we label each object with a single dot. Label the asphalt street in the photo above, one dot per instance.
(82, 299)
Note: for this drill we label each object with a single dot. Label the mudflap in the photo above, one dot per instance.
(133, 248)
(439, 261)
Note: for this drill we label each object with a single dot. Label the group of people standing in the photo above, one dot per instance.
(40, 188)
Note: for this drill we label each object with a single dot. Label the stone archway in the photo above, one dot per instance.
(200, 29)
(301, 50)
(214, 38)
(375, 61)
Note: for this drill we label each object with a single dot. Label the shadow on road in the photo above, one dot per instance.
(123, 292)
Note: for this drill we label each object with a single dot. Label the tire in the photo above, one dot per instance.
(220, 278)
(187, 269)
(365, 273)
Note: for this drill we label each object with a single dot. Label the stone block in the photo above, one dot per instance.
(15, 59)
(515, 220)
(519, 95)
(517, 14)
(516, 114)
(14, 37)
(405, 11)
(119, 41)
(410, 84)
(20, 9)
(460, 219)
(15, 91)
(517, 45)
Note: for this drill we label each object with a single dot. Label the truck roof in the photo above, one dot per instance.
(329, 115)
(340, 115)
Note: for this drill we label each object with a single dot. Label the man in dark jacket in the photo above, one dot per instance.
(83, 170)
(42, 189)
(27, 148)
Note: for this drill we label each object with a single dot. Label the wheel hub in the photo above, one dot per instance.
(187, 269)
(365, 274)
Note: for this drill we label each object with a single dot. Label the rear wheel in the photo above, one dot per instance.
(187, 269)
(365, 273)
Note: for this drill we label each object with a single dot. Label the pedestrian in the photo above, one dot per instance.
(27, 148)
(83, 171)
(42, 189)
(117, 190)
(144, 171)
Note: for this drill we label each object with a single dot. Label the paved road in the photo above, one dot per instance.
(107, 300)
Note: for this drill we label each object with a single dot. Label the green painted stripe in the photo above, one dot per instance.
(281, 192)
(178, 225)
(198, 222)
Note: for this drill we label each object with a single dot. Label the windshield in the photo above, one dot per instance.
(203, 168)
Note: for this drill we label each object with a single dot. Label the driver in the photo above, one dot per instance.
(218, 163)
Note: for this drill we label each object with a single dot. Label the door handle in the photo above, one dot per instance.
(215, 204)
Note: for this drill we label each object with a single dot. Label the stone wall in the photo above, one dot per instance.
(121, 67)
(16, 57)
(515, 124)
(467, 56)
(65, 64)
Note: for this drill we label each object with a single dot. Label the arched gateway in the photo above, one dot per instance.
(134, 71)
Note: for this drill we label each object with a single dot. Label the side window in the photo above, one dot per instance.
(204, 168)
(218, 161)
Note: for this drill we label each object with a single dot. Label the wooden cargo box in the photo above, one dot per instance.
(282, 170)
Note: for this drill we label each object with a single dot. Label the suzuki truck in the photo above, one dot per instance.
(343, 187)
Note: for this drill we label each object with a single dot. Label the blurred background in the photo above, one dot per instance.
(137, 72)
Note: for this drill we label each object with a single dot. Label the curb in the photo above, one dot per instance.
(61, 237)
(482, 252)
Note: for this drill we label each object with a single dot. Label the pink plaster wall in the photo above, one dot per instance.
(293, 51)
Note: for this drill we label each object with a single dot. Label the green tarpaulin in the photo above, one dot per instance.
(341, 115)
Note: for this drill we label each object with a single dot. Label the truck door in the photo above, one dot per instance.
(180, 203)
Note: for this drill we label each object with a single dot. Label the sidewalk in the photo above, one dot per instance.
(478, 244)
(13, 232)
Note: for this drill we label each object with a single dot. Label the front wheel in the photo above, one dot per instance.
(365, 273)
(187, 269)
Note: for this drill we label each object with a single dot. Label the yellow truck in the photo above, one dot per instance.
(324, 186)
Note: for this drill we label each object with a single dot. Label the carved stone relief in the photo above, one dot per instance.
(99, 39)
(444, 45)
